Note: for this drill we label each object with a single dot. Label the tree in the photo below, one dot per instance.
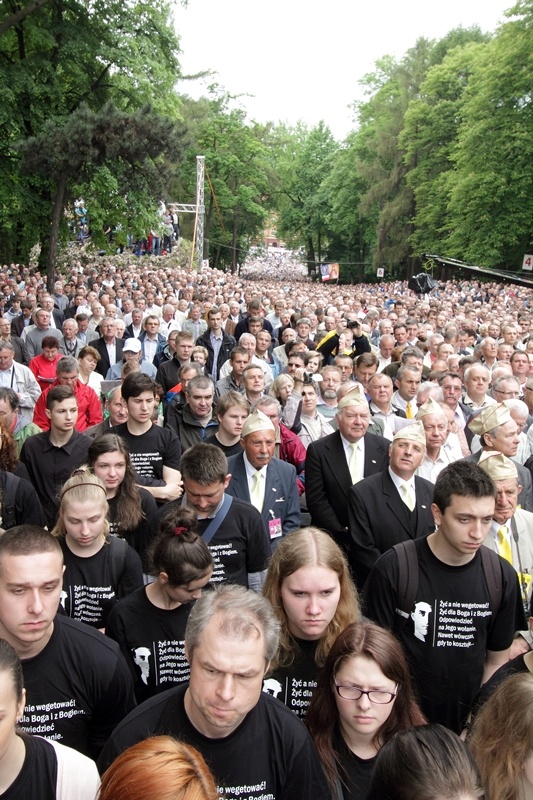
(491, 201)
(429, 136)
(302, 160)
(236, 160)
(62, 55)
(131, 145)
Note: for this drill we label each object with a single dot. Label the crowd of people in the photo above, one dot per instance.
(264, 538)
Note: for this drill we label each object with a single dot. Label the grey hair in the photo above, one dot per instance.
(267, 400)
(518, 406)
(67, 364)
(475, 366)
(242, 614)
(200, 382)
(498, 382)
(5, 345)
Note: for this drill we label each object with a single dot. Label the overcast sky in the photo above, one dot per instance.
(301, 59)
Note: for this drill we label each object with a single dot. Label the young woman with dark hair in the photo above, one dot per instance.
(426, 762)
(149, 624)
(130, 506)
(363, 697)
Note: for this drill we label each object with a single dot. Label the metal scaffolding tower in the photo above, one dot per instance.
(198, 209)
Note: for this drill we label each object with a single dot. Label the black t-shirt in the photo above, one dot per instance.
(152, 640)
(454, 627)
(227, 449)
(354, 772)
(77, 689)
(92, 585)
(239, 546)
(294, 685)
(51, 771)
(138, 538)
(151, 451)
(270, 755)
(37, 779)
(512, 667)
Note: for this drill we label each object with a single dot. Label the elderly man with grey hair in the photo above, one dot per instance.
(254, 745)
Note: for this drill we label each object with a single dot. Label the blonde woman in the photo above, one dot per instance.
(309, 586)
(99, 569)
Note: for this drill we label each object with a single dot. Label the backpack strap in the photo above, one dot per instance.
(118, 550)
(218, 519)
(407, 581)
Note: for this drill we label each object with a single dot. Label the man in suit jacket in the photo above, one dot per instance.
(23, 320)
(332, 465)
(500, 433)
(511, 533)
(382, 512)
(266, 482)
(108, 344)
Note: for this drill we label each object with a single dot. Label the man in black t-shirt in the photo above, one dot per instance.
(78, 685)
(239, 543)
(459, 628)
(155, 452)
(254, 745)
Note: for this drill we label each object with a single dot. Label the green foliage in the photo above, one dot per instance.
(236, 160)
(491, 201)
(302, 160)
(66, 59)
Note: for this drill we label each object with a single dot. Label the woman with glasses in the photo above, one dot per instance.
(309, 586)
(363, 697)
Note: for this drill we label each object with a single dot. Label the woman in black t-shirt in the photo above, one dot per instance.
(31, 767)
(130, 506)
(309, 585)
(363, 697)
(99, 569)
(149, 625)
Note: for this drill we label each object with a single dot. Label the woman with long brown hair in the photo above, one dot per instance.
(309, 586)
(363, 697)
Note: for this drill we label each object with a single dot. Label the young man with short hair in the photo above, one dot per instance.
(232, 411)
(78, 685)
(469, 626)
(51, 456)
(155, 452)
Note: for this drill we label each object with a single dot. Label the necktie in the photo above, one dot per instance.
(407, 497)
(504, 546)
(409, 411)
(353, 464)
(256, 493)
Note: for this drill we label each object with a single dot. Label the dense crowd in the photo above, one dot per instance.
(263, 537)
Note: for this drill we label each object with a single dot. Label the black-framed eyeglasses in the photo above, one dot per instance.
(374, 695)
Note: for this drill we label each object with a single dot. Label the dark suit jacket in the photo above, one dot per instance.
(328, 480)
(525, 498)
(103, 365)
(17, 325)
(379, 519)
(281, 493)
